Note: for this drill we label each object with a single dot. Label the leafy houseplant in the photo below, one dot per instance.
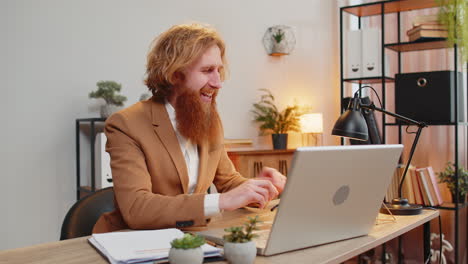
(454, 15)
(272, 120)
(186, 250)
(238, 246)
(448, 176)
(108, 90)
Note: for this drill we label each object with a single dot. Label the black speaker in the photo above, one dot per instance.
(429, 96)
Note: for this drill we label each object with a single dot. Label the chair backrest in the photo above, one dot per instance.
(82, 216)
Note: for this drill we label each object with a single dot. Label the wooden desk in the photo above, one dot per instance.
(79, 251)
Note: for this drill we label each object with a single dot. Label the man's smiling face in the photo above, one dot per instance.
(202, 76)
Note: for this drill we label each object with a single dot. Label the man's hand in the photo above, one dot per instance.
(253, 191)
(274, 176)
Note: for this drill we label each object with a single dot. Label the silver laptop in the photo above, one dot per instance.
(332, 193)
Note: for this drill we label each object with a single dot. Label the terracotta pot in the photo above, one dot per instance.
(186, 256)
(240, 253)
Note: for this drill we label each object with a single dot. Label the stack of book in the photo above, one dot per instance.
(420, 186)
(426, 27)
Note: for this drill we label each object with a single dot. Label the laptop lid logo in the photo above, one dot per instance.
(341, 195)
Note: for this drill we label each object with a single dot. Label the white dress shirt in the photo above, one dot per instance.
(190, 152)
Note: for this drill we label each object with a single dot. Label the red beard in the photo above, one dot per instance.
(196, 120)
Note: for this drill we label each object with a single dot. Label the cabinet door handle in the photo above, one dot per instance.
(283, 167)
(257, 168)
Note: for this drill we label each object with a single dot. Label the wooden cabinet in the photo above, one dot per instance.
(249, 161)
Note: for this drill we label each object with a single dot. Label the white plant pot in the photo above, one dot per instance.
(279, 48)
(107, 110)
(240, 253)
(186, 256)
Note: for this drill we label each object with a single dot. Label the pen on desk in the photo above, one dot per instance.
(211, 243)
(274, 207)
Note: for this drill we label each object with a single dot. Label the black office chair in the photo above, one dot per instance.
(82, 216)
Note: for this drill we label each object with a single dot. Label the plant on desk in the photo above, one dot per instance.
(448, 176)
(108, 90)
(187, 250)
(272, 120)
(238, 245)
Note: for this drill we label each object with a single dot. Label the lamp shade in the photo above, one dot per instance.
(311, 123)
(351, 124)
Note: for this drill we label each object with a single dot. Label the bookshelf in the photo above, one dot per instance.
(81, 190)
(381, 11)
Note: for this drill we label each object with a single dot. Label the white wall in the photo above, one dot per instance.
(52, 53)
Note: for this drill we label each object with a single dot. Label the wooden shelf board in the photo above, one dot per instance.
(372, 9)
(427, 123)
(416, 46)
(370, 80)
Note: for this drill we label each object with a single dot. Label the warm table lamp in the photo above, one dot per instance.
(311, 124)
(352, 124)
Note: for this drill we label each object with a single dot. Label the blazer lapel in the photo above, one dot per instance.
(166, 133)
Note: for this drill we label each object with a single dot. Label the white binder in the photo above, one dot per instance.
(103, 173)
(353, 54)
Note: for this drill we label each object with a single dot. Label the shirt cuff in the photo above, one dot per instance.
(211, 204)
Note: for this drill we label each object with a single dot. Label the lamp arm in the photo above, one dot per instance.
(420, 125)
(406, 119)
(413, 148)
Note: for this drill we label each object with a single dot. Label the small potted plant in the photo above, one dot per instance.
(272, 120)
(187, 250)
(108, 90)
(279, 46)
(238, 245)
(448, 176)
(453, 14)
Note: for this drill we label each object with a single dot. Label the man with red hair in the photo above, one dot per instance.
(168, 150)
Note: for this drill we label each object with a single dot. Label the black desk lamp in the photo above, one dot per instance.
(352, 124)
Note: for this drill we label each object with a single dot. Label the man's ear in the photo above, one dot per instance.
(178, 77)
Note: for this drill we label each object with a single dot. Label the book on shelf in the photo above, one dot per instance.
(407, 187)
(425, 19)
(426, 27)
(418, 199)
(424, 186)
(392, 190)
(433, 179)
(428, 34)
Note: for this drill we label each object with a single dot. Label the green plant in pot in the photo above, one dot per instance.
(453, 14)
(448, 177)
(187, 250)
(273, 121)
(238, 245)
(108, 90)
(278, 36)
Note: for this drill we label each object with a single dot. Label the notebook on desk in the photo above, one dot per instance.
(332, 193)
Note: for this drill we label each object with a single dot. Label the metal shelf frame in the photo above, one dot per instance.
(78, 123)
(397, 6)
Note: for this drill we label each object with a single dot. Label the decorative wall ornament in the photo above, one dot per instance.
(435, 253)
(279, 40)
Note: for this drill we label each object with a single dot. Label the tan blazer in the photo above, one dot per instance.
(150, 175)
